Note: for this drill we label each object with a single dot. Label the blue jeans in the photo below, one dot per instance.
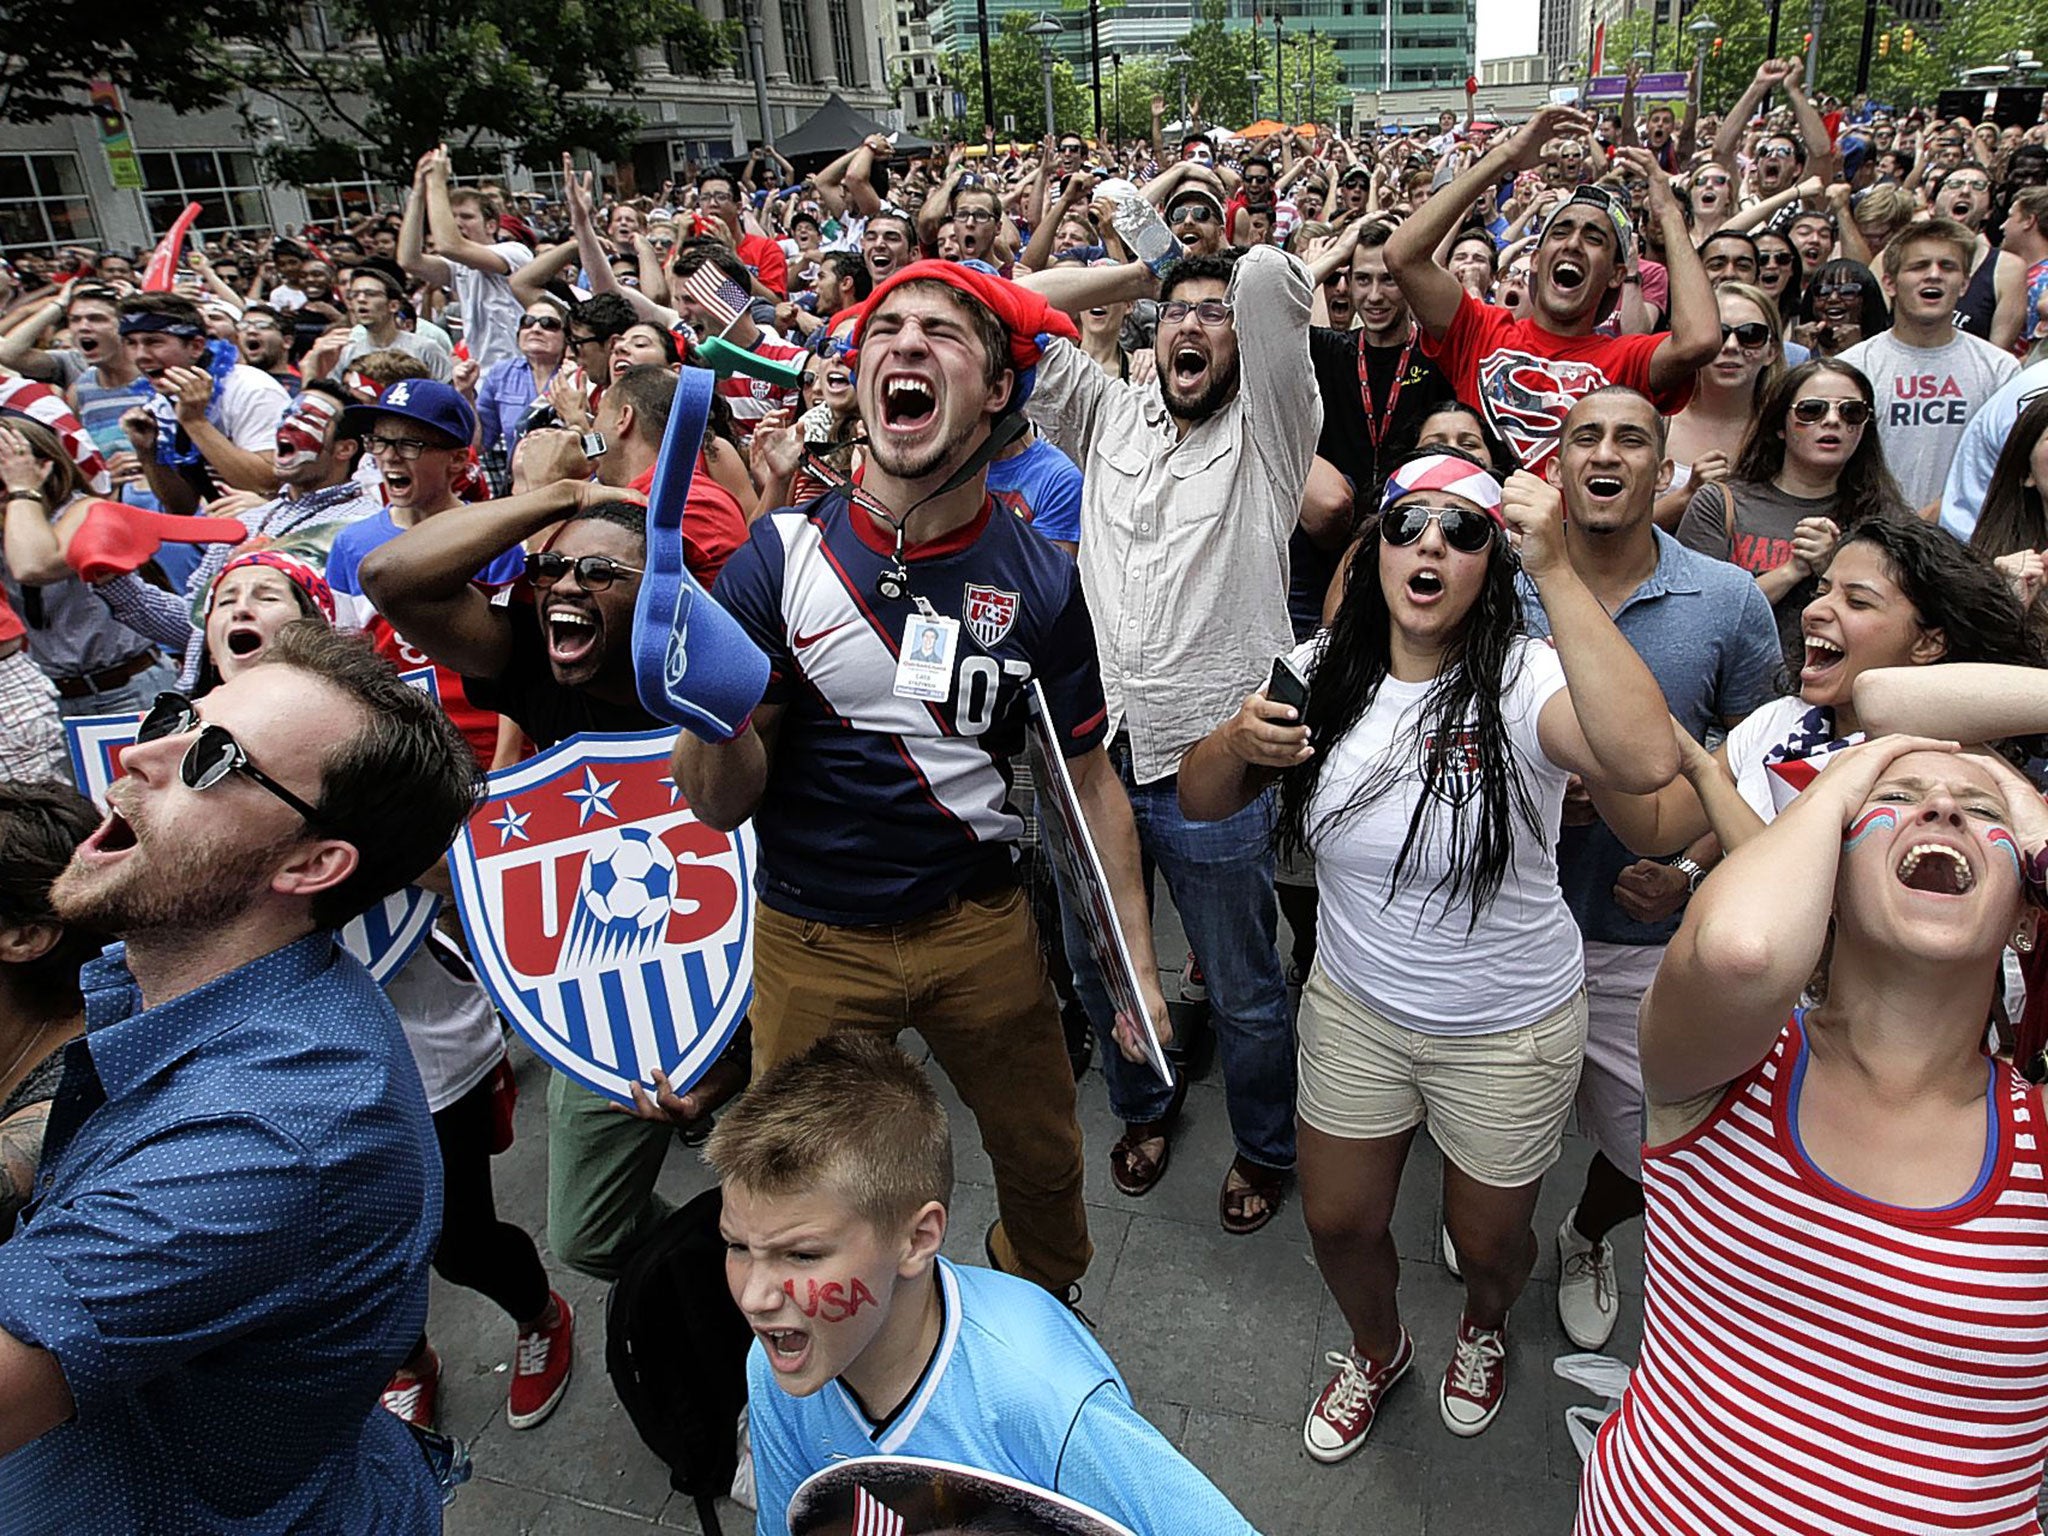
(1220, 874)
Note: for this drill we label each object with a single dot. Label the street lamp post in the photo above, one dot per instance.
(1702, 29)
(1045, 29)
(1180, 59)
(757, 66)
(1254, 79)
(1116, 85)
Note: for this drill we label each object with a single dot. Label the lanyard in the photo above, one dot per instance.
(1377, 422)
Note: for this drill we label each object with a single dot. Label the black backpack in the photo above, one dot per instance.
(676, 1350)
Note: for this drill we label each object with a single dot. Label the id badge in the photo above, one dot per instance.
(924, 662)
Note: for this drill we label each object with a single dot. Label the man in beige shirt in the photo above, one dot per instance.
(1193, 482)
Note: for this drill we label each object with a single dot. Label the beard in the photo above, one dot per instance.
(917, 462)
(166, 890)
(1213, 396)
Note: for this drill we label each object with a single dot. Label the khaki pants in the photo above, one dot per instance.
(968, 978)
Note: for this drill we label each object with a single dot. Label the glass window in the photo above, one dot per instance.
(226, 184)
(43, 202)
(796, 41)
(845, 60)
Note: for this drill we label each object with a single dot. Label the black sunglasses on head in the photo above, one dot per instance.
(214, 753)
(1464, 530)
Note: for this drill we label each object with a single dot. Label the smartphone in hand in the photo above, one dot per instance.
(1287, 686)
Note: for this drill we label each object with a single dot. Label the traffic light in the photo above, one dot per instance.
(1906, 40)
(1884, 45)
(1717, 47)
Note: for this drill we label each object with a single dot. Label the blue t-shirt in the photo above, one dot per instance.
(1704, 629)
(228, 1257)
(1042, 486)
(1017, 1386)
(880, 808)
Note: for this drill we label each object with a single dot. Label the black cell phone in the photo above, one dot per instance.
(1287, 686)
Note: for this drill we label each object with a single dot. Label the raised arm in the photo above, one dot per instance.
(1694, 315)
(1822, 158)
(21, 341)
(450, 244)
(531, 280)
(1759, 213)
(412, 236)
(1433, 294)
(1728, 137)
(1074, 289)
(1609, 726)
(1957, 701)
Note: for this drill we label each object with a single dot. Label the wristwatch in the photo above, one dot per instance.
(1690, 867)
(36, 496)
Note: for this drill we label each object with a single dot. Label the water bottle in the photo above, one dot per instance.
(1145, 233)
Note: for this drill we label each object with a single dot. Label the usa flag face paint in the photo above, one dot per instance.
(1879, 818)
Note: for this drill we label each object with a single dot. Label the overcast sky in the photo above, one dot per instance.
(1506, 27)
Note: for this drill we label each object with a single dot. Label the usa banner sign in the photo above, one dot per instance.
(612, 928)
(383, 938)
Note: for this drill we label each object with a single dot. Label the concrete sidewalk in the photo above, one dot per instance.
(1221, 1339)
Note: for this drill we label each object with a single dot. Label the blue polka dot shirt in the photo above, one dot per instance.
(227, 1254)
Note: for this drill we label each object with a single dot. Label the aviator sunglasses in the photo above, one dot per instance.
(214, 753)
(1464, 529)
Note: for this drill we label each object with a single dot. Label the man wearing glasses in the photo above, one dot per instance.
(555, 665)
(376, 299)
(1191, 490)
(418, 433)
(977, 215)
(227, 1249)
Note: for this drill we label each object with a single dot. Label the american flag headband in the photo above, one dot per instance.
(1449, 474)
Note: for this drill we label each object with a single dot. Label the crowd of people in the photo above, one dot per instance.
(1585, 576)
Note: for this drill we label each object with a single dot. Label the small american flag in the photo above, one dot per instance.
(1796, 762)
(871, 1517)
(721, 297)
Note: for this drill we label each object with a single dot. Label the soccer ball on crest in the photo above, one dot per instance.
(631, 884)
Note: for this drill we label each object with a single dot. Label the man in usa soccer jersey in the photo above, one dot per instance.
(836, 1169)
(888, 896)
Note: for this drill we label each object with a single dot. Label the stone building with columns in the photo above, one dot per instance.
(56, 187)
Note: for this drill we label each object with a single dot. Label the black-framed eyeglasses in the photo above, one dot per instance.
(1812, 412)
(214, 753)
(1750, 335)
(593, 572)
(1464, 530)
(539, 322)
(1208, 311)
(407, 448)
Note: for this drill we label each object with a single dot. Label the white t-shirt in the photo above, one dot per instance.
(490, 310)
(448, 1020)
(1925, 397)
(247, 407)
(1406, 956)
(1754, 738)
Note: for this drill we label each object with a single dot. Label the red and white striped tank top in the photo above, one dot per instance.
(1813, 1361)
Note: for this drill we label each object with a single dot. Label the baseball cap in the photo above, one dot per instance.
(426, 401)
(1354, 173)
(1616, 211)
(1194, 192)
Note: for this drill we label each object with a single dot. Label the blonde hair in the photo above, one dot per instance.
(853, 1118)
(1774, 365)
(1956, 237)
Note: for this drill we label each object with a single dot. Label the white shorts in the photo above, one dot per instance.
(1495, 1104)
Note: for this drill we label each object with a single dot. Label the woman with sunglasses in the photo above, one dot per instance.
(507, 392)
(1427, 774)
(1810, 469)
(448, 1020)
(1706, 437)
(1843, 304)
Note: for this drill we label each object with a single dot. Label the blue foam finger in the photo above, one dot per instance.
(693, 665)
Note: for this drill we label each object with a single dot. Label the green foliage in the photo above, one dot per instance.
(1019, 85)
(540, 75)
(1972, 33)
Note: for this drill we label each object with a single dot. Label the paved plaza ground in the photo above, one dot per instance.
(1220, 1338)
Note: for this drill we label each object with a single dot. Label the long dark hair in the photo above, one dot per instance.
(1877, 315)
(2013, 516)
(1953, 588)
(1795, 281)
(1865, 485)
(1465, 697)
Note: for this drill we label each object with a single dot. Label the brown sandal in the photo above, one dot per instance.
(1131, 1168)
(1267, 1186)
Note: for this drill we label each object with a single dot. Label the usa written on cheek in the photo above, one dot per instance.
(831, 1302)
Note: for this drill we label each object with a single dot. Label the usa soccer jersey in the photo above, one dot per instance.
(878, 808)
(1015, 1385)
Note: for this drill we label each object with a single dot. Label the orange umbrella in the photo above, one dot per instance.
(1264, 128)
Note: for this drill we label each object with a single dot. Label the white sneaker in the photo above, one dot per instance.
(1450, 1253)
(1587, 1301)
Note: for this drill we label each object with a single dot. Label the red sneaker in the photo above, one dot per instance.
(1338, 1421)
(540, 1367)
(1475, 1381)
(413, 1395)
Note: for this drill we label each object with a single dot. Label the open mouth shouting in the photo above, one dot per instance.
(1567, 275)
(244, 641)
(1605, 488)
(788, 1349)
(1425, 587)
(910, 404)
(1933, 293)
(1823, 656)
(113, 840)
(573, 631)
(1936, 869)
(1188, 366)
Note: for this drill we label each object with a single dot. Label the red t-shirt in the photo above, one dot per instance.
(765, 260)
(714, 525)
(1526, 379)
(11, 627)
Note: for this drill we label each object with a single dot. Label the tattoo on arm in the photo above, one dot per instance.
(21, 1147)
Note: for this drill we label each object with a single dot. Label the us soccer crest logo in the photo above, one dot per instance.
(990, 612)
(610, 926)
(383, 938)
